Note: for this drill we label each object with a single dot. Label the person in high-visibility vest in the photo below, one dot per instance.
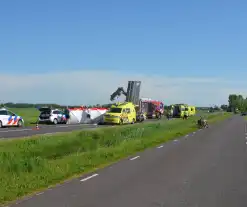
(186, 113)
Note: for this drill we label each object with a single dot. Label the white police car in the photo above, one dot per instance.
(55, 116)
(9, 119)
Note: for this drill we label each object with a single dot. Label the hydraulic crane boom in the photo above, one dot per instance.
(132, 94)
(117, 93)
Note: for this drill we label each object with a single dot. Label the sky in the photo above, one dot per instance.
(79, 52)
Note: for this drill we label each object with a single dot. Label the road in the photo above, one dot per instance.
(203, 169)
(6, 133)
(43, 129)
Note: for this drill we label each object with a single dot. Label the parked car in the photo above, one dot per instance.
(54, 116)
(244, 113)
(10, 119)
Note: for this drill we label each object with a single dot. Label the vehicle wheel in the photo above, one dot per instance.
(55, 121)
(1, 124)
(20, 123)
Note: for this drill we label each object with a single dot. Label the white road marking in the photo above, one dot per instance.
(187, 135)
(66, 126)
(73, 125)
(160, 146)
(40, 193)
(17, 130)
(134, 158)
(49, 133)
(175, 140)
(87, 178)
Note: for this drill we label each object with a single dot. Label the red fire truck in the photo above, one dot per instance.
(152, 108)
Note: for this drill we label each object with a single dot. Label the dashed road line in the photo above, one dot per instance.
(87, 178)
(40, 193)
(134, 158)
(160, 146)
(15, 130)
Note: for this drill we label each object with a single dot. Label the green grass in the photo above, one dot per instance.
(31, 164)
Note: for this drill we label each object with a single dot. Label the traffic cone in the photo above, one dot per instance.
(36, 127)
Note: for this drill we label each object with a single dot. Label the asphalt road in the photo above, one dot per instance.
(203, 169)
(43, 129)
(6, 133)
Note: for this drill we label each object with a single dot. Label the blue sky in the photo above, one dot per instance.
(165, 38)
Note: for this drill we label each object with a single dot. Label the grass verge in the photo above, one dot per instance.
(32, 164)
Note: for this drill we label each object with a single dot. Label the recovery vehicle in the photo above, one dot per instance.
(145, 107)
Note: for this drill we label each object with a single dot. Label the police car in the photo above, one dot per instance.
(55, 116)
(9, 119)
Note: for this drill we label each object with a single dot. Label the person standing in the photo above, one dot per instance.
(186, 113)
(67, 115)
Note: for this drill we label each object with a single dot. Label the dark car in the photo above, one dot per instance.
(244, 113)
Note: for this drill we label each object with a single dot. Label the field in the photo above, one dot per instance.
(31, 164)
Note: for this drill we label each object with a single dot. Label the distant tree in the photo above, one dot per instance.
(224, 107)
(237, 102)
(166, 107)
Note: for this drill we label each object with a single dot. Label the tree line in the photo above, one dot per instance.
(52, 105)
(237, 102)
(29, 105)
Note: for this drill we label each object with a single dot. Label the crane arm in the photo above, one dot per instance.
(118, 92)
